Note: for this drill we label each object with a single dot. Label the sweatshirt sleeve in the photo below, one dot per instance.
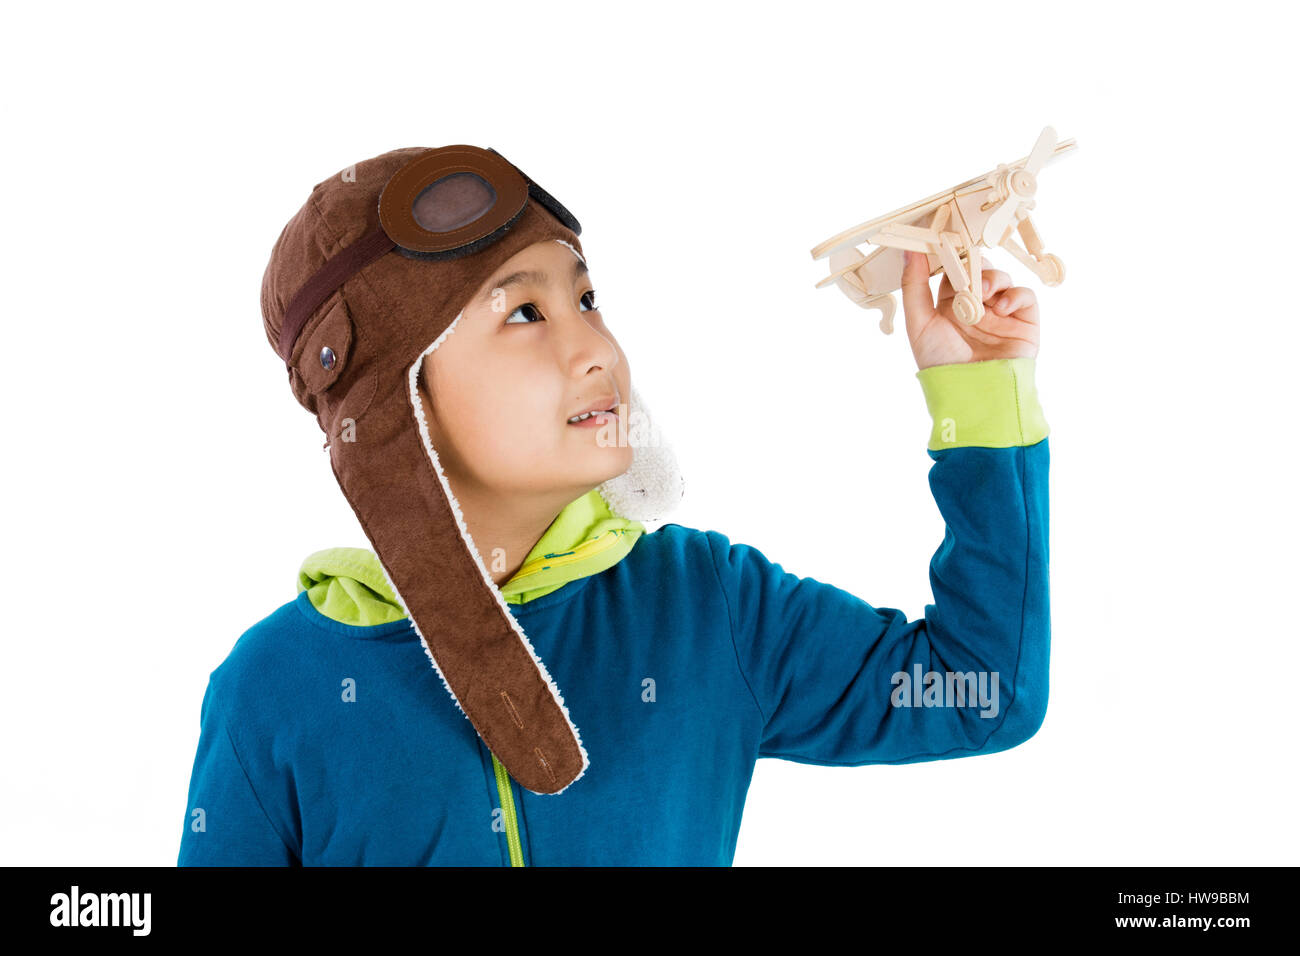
(225, 824)
(838, 681)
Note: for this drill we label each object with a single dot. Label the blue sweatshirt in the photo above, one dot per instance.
(331, 743)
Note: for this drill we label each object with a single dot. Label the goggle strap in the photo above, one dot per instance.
(328, 278)
(548, 202)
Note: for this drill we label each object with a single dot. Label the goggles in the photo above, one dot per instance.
(449, 202)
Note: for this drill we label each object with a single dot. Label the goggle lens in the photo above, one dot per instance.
(452, 202)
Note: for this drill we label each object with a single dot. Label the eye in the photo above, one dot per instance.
(528, 310)
(530, 313)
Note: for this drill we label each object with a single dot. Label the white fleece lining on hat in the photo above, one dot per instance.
(478, 560)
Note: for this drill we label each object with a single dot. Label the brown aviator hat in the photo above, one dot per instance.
(364, 281)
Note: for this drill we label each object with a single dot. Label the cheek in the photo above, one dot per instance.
(499, 406)
(513, 411)
(454, 394)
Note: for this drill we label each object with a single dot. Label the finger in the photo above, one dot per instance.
(999, 331)
(918, 300)
(1019, 301)
(993, 281)
(994, 326)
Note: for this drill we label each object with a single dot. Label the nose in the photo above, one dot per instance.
(586, 344)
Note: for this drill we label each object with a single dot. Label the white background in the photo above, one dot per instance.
(161, 485)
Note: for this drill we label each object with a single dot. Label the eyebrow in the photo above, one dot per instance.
(530, 275)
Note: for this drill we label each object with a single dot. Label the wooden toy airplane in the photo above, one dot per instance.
(985, 211)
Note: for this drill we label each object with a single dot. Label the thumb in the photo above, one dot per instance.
(918, 299)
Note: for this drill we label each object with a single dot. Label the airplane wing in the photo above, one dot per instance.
(909, 214)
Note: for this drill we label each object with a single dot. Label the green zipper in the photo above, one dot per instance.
(580, 552)
(508, 811)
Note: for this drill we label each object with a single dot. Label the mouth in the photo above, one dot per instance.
(597, 413)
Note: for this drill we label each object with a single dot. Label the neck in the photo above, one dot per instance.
(506, 528)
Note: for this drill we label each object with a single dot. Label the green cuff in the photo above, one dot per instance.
(991, 404)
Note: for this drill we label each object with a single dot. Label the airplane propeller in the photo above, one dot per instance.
(1019, 186)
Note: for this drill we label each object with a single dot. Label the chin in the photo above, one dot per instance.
(612, 463)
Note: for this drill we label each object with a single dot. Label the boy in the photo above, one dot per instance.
(434, 309)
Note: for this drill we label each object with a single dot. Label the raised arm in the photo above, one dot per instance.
(835, 679)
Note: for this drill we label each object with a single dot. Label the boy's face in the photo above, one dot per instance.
(498, 392)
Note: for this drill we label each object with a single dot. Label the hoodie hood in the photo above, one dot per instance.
(348, 585)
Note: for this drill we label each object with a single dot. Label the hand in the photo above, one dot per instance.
(1008, 329)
